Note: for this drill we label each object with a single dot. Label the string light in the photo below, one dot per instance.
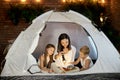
(80, 0)
(103, 1)
(7, 0)
(94, 0)
(23, 0)
(63, 1)
(38, 0)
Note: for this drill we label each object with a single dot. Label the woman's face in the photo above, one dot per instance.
(64, 42)
(50, 50)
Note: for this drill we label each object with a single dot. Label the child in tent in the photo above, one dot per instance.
(84, 58)
(46, 59)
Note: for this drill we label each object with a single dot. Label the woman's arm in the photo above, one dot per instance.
(58, 55)
(87, 65)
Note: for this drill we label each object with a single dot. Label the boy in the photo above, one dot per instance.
(84, 58)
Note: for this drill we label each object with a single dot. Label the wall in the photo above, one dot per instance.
(115, 14)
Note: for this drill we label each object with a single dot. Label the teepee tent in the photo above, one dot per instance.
(46, 29)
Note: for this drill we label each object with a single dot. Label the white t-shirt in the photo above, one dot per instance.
(83, 61)
(69, 57)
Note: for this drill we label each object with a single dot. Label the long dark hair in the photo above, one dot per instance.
(45, 56)
(61, 37)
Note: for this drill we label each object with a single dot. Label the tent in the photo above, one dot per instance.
(45, 29)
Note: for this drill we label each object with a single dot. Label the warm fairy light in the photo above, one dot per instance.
(23, 0)
(103, 1)
(95, 0)
(101, 19)
(38, 0)
(74, 1)
(80, 0)
(63, 1)
(7, 0)
(71, 0)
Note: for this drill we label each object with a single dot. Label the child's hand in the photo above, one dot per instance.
(71, 62)
(50, 70)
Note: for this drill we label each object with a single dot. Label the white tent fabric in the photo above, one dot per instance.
(19, 57)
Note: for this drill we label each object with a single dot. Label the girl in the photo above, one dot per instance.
(84, 58)
(47, 58)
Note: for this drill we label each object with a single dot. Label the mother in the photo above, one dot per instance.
(65, 54)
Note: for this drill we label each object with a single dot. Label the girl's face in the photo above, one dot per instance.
(50, 51)
(64, 42)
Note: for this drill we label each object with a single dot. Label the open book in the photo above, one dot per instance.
(70, 67)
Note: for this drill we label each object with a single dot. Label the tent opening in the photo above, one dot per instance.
(78, 36)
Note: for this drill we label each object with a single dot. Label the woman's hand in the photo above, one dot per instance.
(59, 54)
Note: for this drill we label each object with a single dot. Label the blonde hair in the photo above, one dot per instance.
(85, 50)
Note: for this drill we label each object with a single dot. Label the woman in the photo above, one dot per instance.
(46, 59)
(65, 54)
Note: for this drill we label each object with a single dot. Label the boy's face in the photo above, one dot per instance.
(50, 50)
(82, 55)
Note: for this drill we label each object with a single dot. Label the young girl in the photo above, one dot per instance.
(84, 58)
(47, 58)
